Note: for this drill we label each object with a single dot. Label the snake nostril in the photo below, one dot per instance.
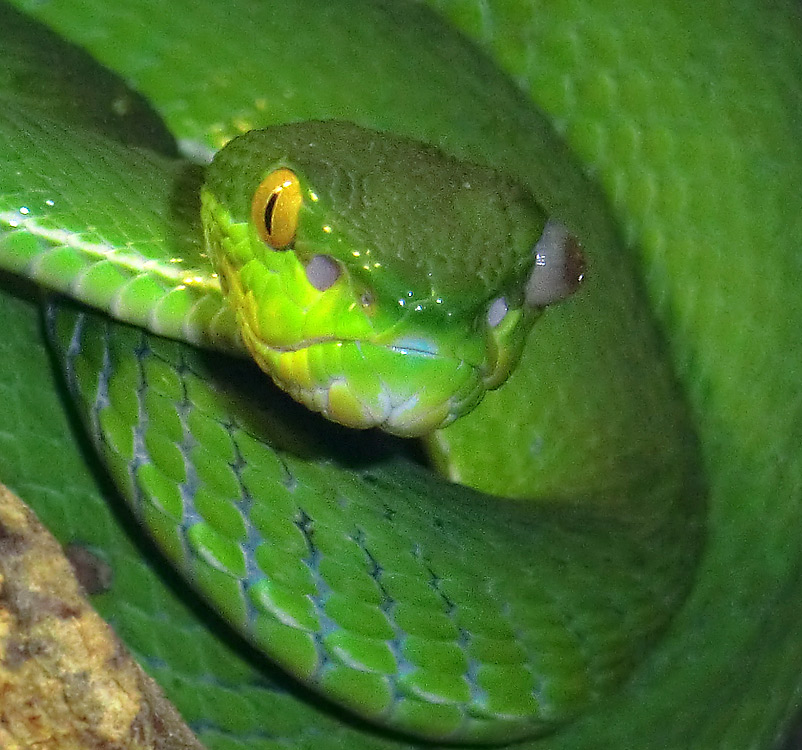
(322, 272)
(497, 311)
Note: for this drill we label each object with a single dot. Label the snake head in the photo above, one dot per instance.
(376, 279)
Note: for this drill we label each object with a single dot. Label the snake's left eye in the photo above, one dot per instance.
(559, 266)
(275, 207)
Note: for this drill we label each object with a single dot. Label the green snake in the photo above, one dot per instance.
(601, 551)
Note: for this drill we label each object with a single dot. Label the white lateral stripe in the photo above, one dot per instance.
(131, 262)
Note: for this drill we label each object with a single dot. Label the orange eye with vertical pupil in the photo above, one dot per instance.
(275, 206)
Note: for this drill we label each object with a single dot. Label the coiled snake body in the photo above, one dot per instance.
(640, 584)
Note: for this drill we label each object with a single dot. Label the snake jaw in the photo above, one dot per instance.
(408, 387)
(362, 385)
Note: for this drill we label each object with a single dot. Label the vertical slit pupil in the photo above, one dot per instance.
(269, 209)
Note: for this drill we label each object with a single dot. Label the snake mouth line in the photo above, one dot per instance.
(399, 347)
(427, 394)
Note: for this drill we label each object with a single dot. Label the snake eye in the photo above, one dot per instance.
(559, 266)
(275, 206)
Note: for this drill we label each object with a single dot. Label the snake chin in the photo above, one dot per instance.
(405, 387)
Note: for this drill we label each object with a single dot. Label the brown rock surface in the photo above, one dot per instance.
(66, 681)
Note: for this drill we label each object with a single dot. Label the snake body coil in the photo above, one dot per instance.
(640, 585)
